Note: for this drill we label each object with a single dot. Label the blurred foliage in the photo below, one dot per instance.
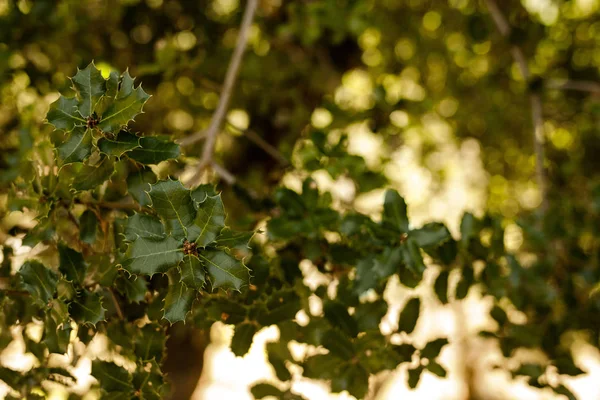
(93, 199)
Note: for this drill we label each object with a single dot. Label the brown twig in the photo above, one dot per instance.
(536, 103)
(230, 78)
(116, 303)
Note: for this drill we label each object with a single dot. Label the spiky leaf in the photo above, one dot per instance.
(210, 220)
(90, 86)
(242, 338)
(87, 308)
(39, 281)
(144, 226)
(394, 211)
(192, 272)
(71, 265)
(179, 299)
(173, 203)
(224, 270)
(112, 378)
(153, 150)
(148, 257)
(409, 315)
(77, 147)
(124, 109)
(124, 142)
(63, 114)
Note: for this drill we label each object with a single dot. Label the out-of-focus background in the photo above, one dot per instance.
(428, 92)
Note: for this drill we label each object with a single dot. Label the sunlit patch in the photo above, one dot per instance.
(321, 118)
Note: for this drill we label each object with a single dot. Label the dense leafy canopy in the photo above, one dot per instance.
(126, 246)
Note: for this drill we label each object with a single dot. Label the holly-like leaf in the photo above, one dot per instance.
(202, 192)
(144, 226)
(353, 378)
(338, 344)
(71, 265)
(133, 287)
(56, 337)
(395, 212)
(63, 114)
(441, 286)
(179, 299)
(148, 257)
(127, 105)
(90, 86)
(224, 270)
(436, 369)
(242, 338)
(153, 150)
(234, 240)
(150, 343)
(337, 313)
(433, 348)
(138, 185)
(192, 272)
(149, 382)
(414, 375)
(369, 315)
(124, 142)
(431, 235)
(409, 315)
(88, 224)
(101, 270)
(412, 257)
(112, 87)
(39, 281)
(77, 147)
(90, 176)
(112, 378)
(262, 390)
(172, 201)
(87, 308)
(210, 220)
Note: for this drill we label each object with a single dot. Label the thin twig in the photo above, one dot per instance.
(230, 78)
(263, 144)
(567, 84)
(536, 103)
(116, 303)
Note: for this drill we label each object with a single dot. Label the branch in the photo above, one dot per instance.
(535, 100)
(230, 78)
(582, 86)
(263, 144)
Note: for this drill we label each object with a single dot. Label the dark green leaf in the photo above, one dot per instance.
(412, 256)
(409, 315)
(39, 281)
(433, 348)
(210, 220)
(57, 337)
(441, 286)
(144, 226)
(77, 148)
(148, 257)
(133, 287)
(138, 185)
(466, 281)
(174, 204)
(112, 378)
(321, 366)
(90, 176)
(562, 389)
(63, 114)
(88, 224)
(72, 265)
(394, 211)
(124, 109)
(150, 343)
(431, 235)
(153, 150)
(278, 353)
(200, 194)
(566, 366)
(337, 314)
(90, 86)
(242, 338)
(414, 375)
(234, 240)
(436, 369)
(262, 390)
(224, 270)
(192, 272)
(123, 143)
(179, 299)
(338, 344)
(353, 378)
(369, 315)
(87, 308)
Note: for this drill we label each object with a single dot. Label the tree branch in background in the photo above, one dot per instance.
(536, 103)
(263, 144)
(217, 118)
(566, 84)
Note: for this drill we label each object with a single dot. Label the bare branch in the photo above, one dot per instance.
(230, 78)
(536, 103)
(582, 86)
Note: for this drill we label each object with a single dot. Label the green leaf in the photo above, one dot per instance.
(466, 281)
(433, 348)
(409, 315)
(431, 235)
(138, 185)
(144, 226)
(123, 143)
(561, 389)
(150, 343)
(436, 369)
(192, 272)
(412, 257)
(369, 315)
(172, 201)
(441, 286)
(87, 308)
(88, 225)
(338, 344)
(112, 86)
(353, 378)
(395, 211)
(72, 265)
(242, 338)
(262, 390)
(371, 271)
(90, 176)
(278, 353)
(127, 105)
(63, 114)
(132, 287)
(414, 375)
(101, 270)
(224, 270)
(210, 220)
(149, 382)
(566, 366)
(230, 239)
(179, 299)
(90, 86)
(148, 257)
(200, 194)
(153, 150)
(57, 337)
(337, 314)
(112, 378)
(77, 147)
(321, 366)
(39, 281)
